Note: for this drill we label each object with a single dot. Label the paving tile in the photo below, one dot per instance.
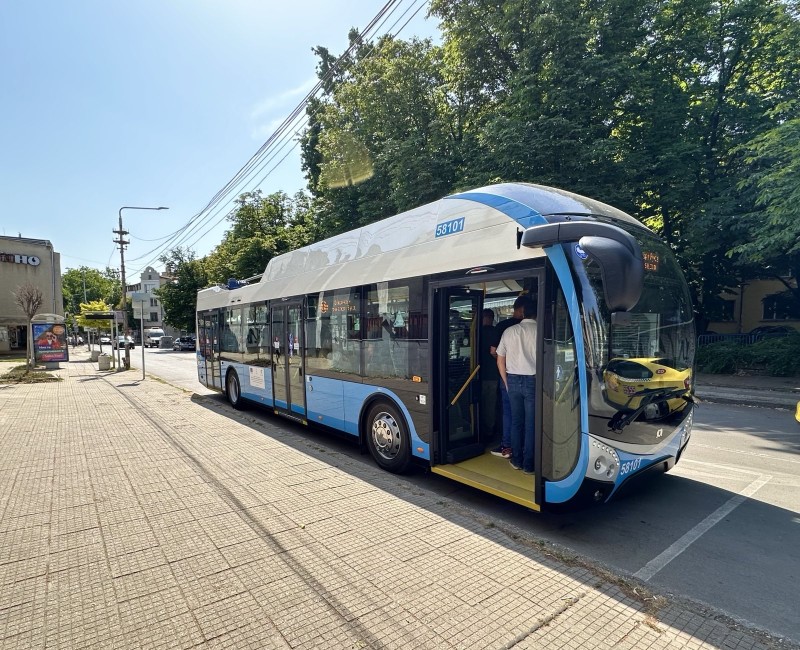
(195, 527)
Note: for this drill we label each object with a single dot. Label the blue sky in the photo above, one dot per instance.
(152, 103)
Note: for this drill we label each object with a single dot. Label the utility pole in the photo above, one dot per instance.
(122, 243)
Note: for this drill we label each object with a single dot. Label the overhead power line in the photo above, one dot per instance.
(286, 133)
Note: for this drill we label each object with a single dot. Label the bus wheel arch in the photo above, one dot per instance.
(233, 389)
(386, 434)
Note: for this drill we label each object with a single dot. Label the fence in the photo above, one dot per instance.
(741, 339)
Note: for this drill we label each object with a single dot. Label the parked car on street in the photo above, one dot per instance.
(152, 337)
(105, 340)
(184, 343)
(771, 331)
(123, 342)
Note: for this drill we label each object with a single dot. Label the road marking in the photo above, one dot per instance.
(733, 468)
(679, 546)
(747, 453)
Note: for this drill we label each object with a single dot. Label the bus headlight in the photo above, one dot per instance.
(603, 462)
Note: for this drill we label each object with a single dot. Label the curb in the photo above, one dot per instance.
(784, 402)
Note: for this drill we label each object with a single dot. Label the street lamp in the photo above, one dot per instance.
(121, 241)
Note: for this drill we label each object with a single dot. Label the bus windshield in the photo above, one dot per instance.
(639, 362)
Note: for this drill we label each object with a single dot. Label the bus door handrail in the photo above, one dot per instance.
(466, 383)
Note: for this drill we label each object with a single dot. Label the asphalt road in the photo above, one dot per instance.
(722, 528)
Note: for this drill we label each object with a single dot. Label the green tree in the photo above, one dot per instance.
(100, 285)
(773, 229)
(381, 141)
(179, 297)
(262, 227)
(93, 306)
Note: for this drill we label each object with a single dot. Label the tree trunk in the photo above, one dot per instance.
(31, 352)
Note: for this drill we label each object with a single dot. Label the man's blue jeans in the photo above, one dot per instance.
(522, 395)
(506, 439)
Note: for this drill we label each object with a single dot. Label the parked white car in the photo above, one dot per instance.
(152, 337)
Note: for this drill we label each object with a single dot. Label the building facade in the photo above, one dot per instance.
(757, 304)
(143, 298)
(22, 261)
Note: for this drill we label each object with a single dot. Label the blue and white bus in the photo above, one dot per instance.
(376, 333)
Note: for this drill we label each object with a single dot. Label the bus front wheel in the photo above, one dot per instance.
(234, 390)
(388, 438)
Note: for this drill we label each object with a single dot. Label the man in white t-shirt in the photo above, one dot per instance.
(516, 361)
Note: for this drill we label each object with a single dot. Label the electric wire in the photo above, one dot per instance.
(285, 133)
(234, 182)
(280, 132)
(288, 137)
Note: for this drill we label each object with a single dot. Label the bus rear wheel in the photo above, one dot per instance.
(388, 437)
(233, 390)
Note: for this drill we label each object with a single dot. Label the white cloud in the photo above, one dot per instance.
(270, 103)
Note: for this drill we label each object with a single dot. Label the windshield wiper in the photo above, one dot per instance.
(622, 420)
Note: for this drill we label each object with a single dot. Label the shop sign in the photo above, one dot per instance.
(13, 258)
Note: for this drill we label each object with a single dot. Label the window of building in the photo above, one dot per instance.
(727, 308)
(780, 306)
(153, 316)
(153, 302)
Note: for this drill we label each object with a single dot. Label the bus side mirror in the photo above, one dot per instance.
(622, 271)
(615, 251)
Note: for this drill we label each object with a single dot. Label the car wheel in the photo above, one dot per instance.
(234, 390)
(387, 437)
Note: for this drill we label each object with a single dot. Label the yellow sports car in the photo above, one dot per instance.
(652, 386)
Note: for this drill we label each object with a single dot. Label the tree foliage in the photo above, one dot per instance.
(679, 112)
(93, 306)
(179, 297)
(262, 227)
(100, 285)
(773, 229)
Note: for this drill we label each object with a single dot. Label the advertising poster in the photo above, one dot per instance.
(50, 342)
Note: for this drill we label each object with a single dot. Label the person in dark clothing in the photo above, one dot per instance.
(490, 376)
(504, 449)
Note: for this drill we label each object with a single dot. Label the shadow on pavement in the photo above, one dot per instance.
(666, 508)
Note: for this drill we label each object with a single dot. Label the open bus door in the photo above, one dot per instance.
(459, 452)
(458, 315)
(288, 352)
(208, 363)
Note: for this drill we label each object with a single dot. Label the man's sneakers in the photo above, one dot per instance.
(503, 452)
(515, 466)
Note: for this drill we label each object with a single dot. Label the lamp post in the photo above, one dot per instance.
(121, 241)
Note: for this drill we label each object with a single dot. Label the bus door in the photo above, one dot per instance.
(288, 358)
(208, 366)
(459, 313)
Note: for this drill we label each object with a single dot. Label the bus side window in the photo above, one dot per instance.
(345, 325)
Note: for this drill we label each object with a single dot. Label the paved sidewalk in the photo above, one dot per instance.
(749, 390)
(136, 515)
